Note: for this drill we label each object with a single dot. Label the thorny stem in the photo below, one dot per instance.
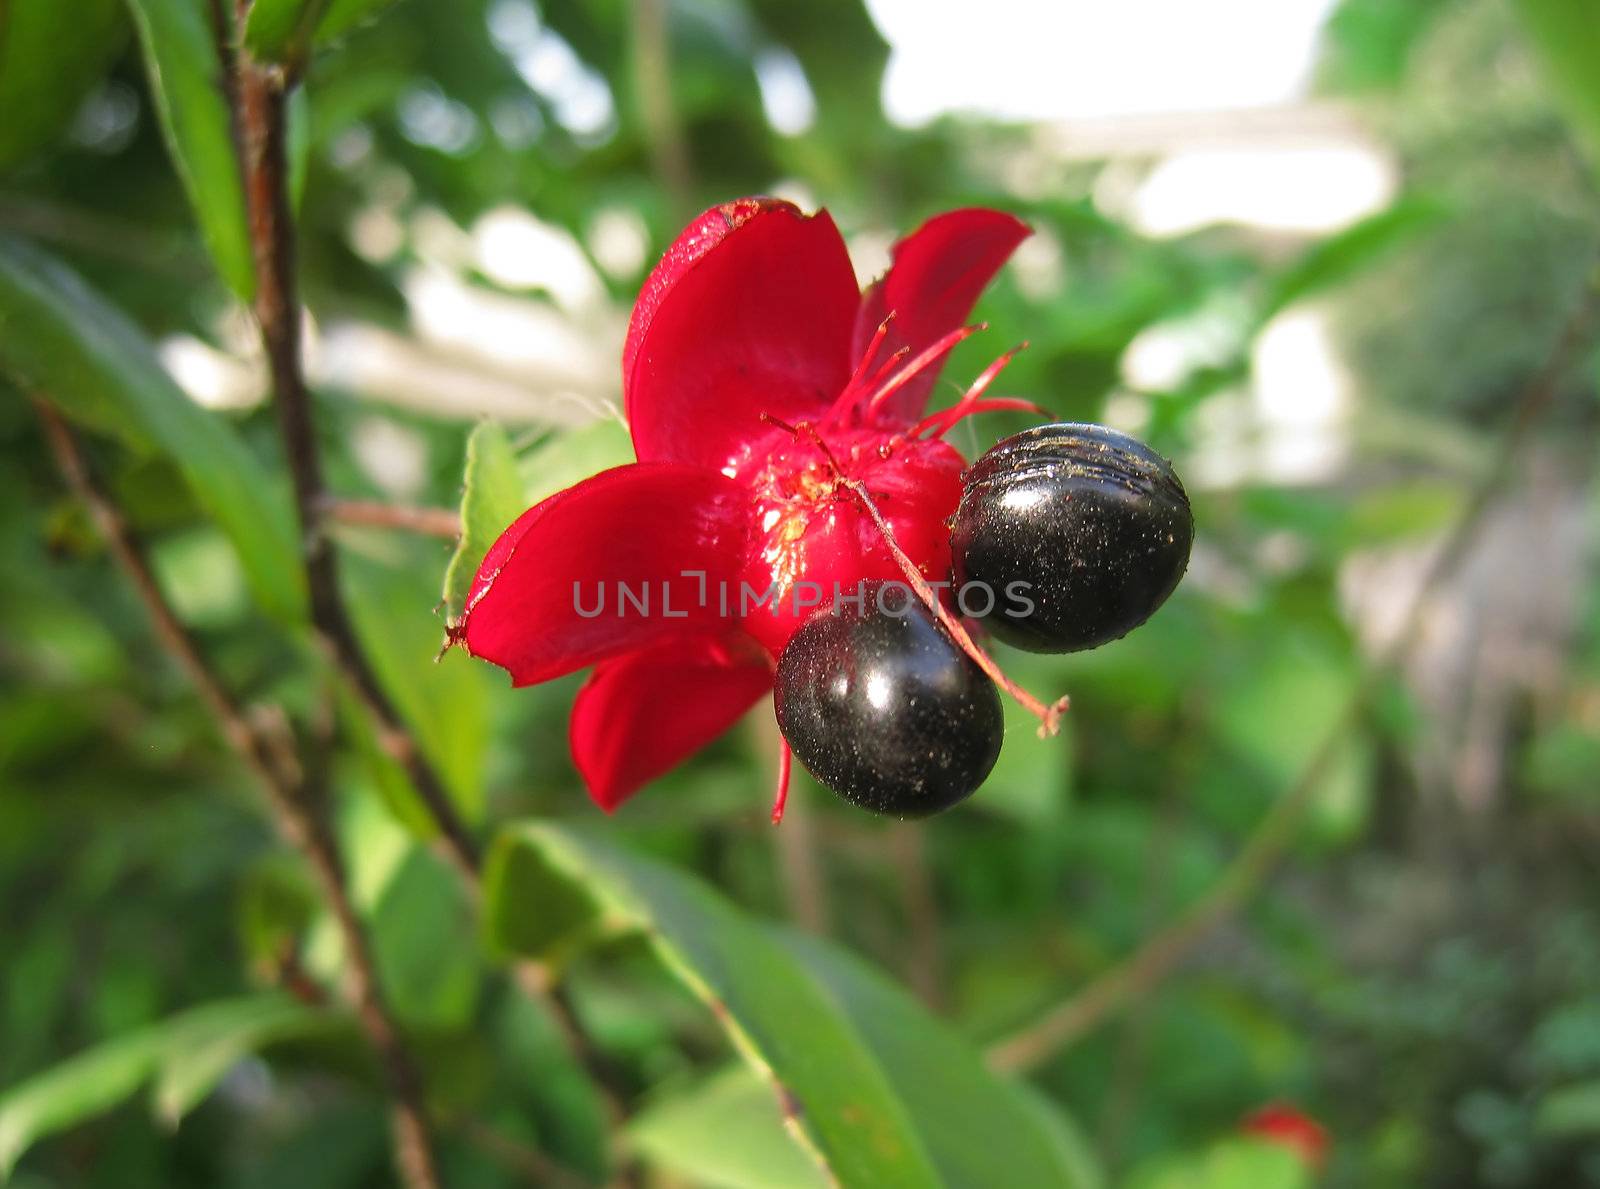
(294, 805)
(1049, 716)
(259, 96)
(1158, 956)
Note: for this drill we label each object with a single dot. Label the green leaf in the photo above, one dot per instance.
(882, 1091)
(276, 904)
(1342, 256)
(726, 1133)
(1229, 1164)
(298, 134)
(64, 343)
(180, 52)
(780, 1019)
(280, 30)
(203, 1044)
(78, 1088)
(1566, 40)
(344, 15)
(186, 1054)
(498, 487)
(51, 54)
(979, 1128)
(573, 456)
(444, 700)
(1570, 1111)
(491, 498)
(426, 946)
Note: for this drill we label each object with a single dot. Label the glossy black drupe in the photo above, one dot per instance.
(885, 710)
(1089, 526)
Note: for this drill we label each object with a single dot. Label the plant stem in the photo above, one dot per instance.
(261, 123)
(258, 96)
(294, 803)
(1157, 957)
(427, 522)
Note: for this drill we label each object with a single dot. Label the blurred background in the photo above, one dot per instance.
(1325, 254)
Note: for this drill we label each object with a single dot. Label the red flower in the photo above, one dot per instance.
(1280, 1123)
(754, 375)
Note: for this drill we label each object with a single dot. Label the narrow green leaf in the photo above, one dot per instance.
(181, 59)
(1565, 35)
(280, 30)
(979, 1129)
(1570, 1110)
(779, 1018)
(51, 54)
(885, 1092)
(725, 1133)
(203, 1044)
(64, 343)
(445, 701)
(491, 498)
(1344, 255)
(344, 15)
(186, 1053)
(79, 1088)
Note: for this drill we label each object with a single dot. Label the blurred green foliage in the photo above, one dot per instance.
(1421, 976)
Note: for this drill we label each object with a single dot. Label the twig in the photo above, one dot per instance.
(260, 99)
(258, 96)
(293, 805)
(1158, 956)
(427, 522)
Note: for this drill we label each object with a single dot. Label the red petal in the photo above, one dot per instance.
(546, 601)
(750, 312)
(642, 714)
(937, 274)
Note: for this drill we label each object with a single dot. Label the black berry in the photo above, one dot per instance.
(1070, 536)
(882, 708)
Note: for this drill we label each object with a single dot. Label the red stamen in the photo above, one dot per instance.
(926, 359)
(948, 419)
(785, 762)
(965, 407)
(871, 352)
(858, 383)
(1049, 716)
(858, 388)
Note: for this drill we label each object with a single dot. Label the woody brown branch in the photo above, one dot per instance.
(295, 805)
(261, 123)
(258, 93)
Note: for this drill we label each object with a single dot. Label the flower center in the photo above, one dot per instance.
(812, 543)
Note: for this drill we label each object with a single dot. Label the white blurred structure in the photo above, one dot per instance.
(1040, 60)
